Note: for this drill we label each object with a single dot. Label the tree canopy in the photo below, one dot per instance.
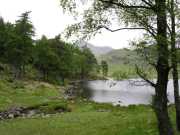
(54, 59)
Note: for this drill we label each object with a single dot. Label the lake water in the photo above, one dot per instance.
(127, 92)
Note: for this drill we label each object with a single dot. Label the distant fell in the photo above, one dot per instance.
(96, 50)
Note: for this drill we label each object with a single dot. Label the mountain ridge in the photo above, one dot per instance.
(96, 50)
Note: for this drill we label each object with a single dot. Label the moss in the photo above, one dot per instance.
(54, 107)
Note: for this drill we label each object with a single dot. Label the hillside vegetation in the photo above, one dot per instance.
(121, 60)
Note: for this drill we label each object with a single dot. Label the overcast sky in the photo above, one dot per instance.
(49, 20)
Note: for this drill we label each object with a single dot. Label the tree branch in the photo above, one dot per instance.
(150, 63)
(115, 30)
(143, 76)
(124, 5)
(151, 31)
(147, 3)
(169, 29)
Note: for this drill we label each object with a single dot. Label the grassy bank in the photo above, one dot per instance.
(85, 118)
(27, 93)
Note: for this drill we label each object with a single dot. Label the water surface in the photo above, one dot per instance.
(127, 92)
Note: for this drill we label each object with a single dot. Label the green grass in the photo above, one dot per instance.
(26, 93)
(85, 118)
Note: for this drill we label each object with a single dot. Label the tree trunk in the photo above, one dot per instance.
(160, 106)
(160, 103)
(176, 95)
(174, 66)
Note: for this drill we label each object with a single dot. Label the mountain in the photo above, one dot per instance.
(96, 50)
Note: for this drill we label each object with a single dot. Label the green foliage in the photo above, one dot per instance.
(88, 62)
(121, 63)
(17, 43)
(119, 75)
(51, 60)
(3, 37)
(104, 67)
(53, 106)
(45, 59)
(57, 60)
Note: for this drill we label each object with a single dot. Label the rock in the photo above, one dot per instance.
(73, 90)
(103, 110)
(46, 116)
(11, 116)
(26, 112)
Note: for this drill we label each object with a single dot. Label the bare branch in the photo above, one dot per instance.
(143, 76)
(124, 5)
(152, 32)
(147, 3)
(140, 28)
(169, 29)
(149, 29)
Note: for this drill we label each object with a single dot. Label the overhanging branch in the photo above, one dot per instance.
(115, 30)
(147, 3)
(125, 5)
(150, 30)
(143, 76)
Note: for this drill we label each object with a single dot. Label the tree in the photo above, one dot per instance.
(142, 14)
(46, 60)
(104, 67)
(19, 48)
(174, 62)
(60, 60)
(3, 37)
(88, 62)
(6, 34)
(64, 52)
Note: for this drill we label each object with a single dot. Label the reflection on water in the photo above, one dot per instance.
(122, 92)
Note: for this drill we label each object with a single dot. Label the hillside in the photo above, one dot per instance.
(96, 50)
(121, 58)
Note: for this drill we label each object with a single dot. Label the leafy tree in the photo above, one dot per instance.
(88, 62)
(60, 60)
(172, 10)
(19, 48)
(64, 52)
(78, 62)
(45, 58)
(6, 34)
(151, 56)
(3, 37)
(53, 58)
(104, 67)
(150, 16)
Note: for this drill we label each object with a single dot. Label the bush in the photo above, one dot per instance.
(120, 75)
(54, 106)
